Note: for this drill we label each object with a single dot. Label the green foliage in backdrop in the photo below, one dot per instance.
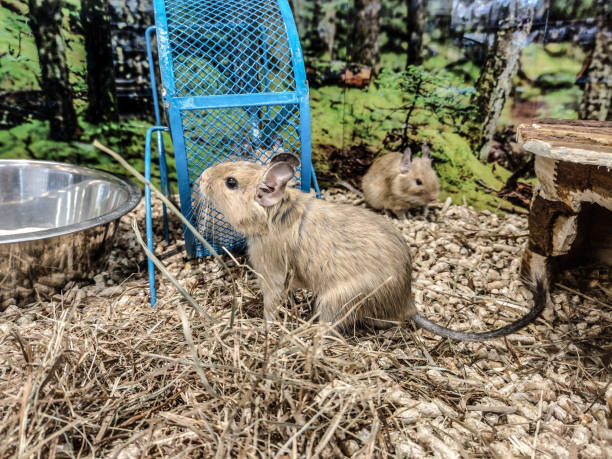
(421, 104)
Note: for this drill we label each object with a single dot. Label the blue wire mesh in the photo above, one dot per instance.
(228, 47)
(225, 134)
(237, 49)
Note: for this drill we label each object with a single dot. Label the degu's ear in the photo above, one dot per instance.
(425, 151)
(293, 160)
(406, 161)
(272, 186)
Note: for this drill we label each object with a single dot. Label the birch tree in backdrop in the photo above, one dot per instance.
(597, 99)
(297, 6)
(495, 80)
(45, 19)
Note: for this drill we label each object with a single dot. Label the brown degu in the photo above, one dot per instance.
(397, 182)
(355, 261)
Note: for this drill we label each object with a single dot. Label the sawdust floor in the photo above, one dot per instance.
(97, 372)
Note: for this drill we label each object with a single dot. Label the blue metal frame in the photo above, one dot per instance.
(221, 45)
(163, 168)
(174, 119)
(149, 219)
(302, 93)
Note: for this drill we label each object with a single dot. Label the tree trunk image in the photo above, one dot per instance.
(495, 80)
(364, 49)
(597, 99)
(296, 7)
(45, 21)
(327, 28)
(415, 21)
(101, 91)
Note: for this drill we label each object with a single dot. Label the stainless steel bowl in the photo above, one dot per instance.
(56, 224)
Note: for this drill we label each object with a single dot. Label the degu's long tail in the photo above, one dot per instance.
(540, 300)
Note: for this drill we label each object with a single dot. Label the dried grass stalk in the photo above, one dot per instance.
(93, 374)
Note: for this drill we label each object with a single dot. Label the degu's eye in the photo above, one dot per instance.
(231, 183)
(418, 182)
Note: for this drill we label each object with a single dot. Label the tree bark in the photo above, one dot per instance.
(297, 6)
(415, 21)
(444, 20)
(101, 90)
(364, 49)
(495, 80)
(45, 21)
(327, 27)
(597, 99)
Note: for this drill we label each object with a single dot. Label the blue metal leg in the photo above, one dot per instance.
(165, 187)
(315, 184)
(149, 218)
(184, 185)
(163, 169)
(305, 144)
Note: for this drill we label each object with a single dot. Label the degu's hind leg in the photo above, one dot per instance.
(344, 313)
(335, 312)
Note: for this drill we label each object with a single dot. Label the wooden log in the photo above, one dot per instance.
(570, 216)
(577, 141)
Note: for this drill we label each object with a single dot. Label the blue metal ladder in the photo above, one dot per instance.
(232, 73)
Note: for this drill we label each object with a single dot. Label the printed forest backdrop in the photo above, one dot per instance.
(456, 74)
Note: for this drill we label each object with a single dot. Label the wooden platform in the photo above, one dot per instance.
(570, 220)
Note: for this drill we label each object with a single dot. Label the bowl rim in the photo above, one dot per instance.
(134, 197)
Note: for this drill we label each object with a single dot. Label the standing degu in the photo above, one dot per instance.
(343, 254)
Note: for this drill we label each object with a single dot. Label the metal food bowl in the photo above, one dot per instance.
(57, 222)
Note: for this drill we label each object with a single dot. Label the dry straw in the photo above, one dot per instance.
(176, 212)
(95, 374)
